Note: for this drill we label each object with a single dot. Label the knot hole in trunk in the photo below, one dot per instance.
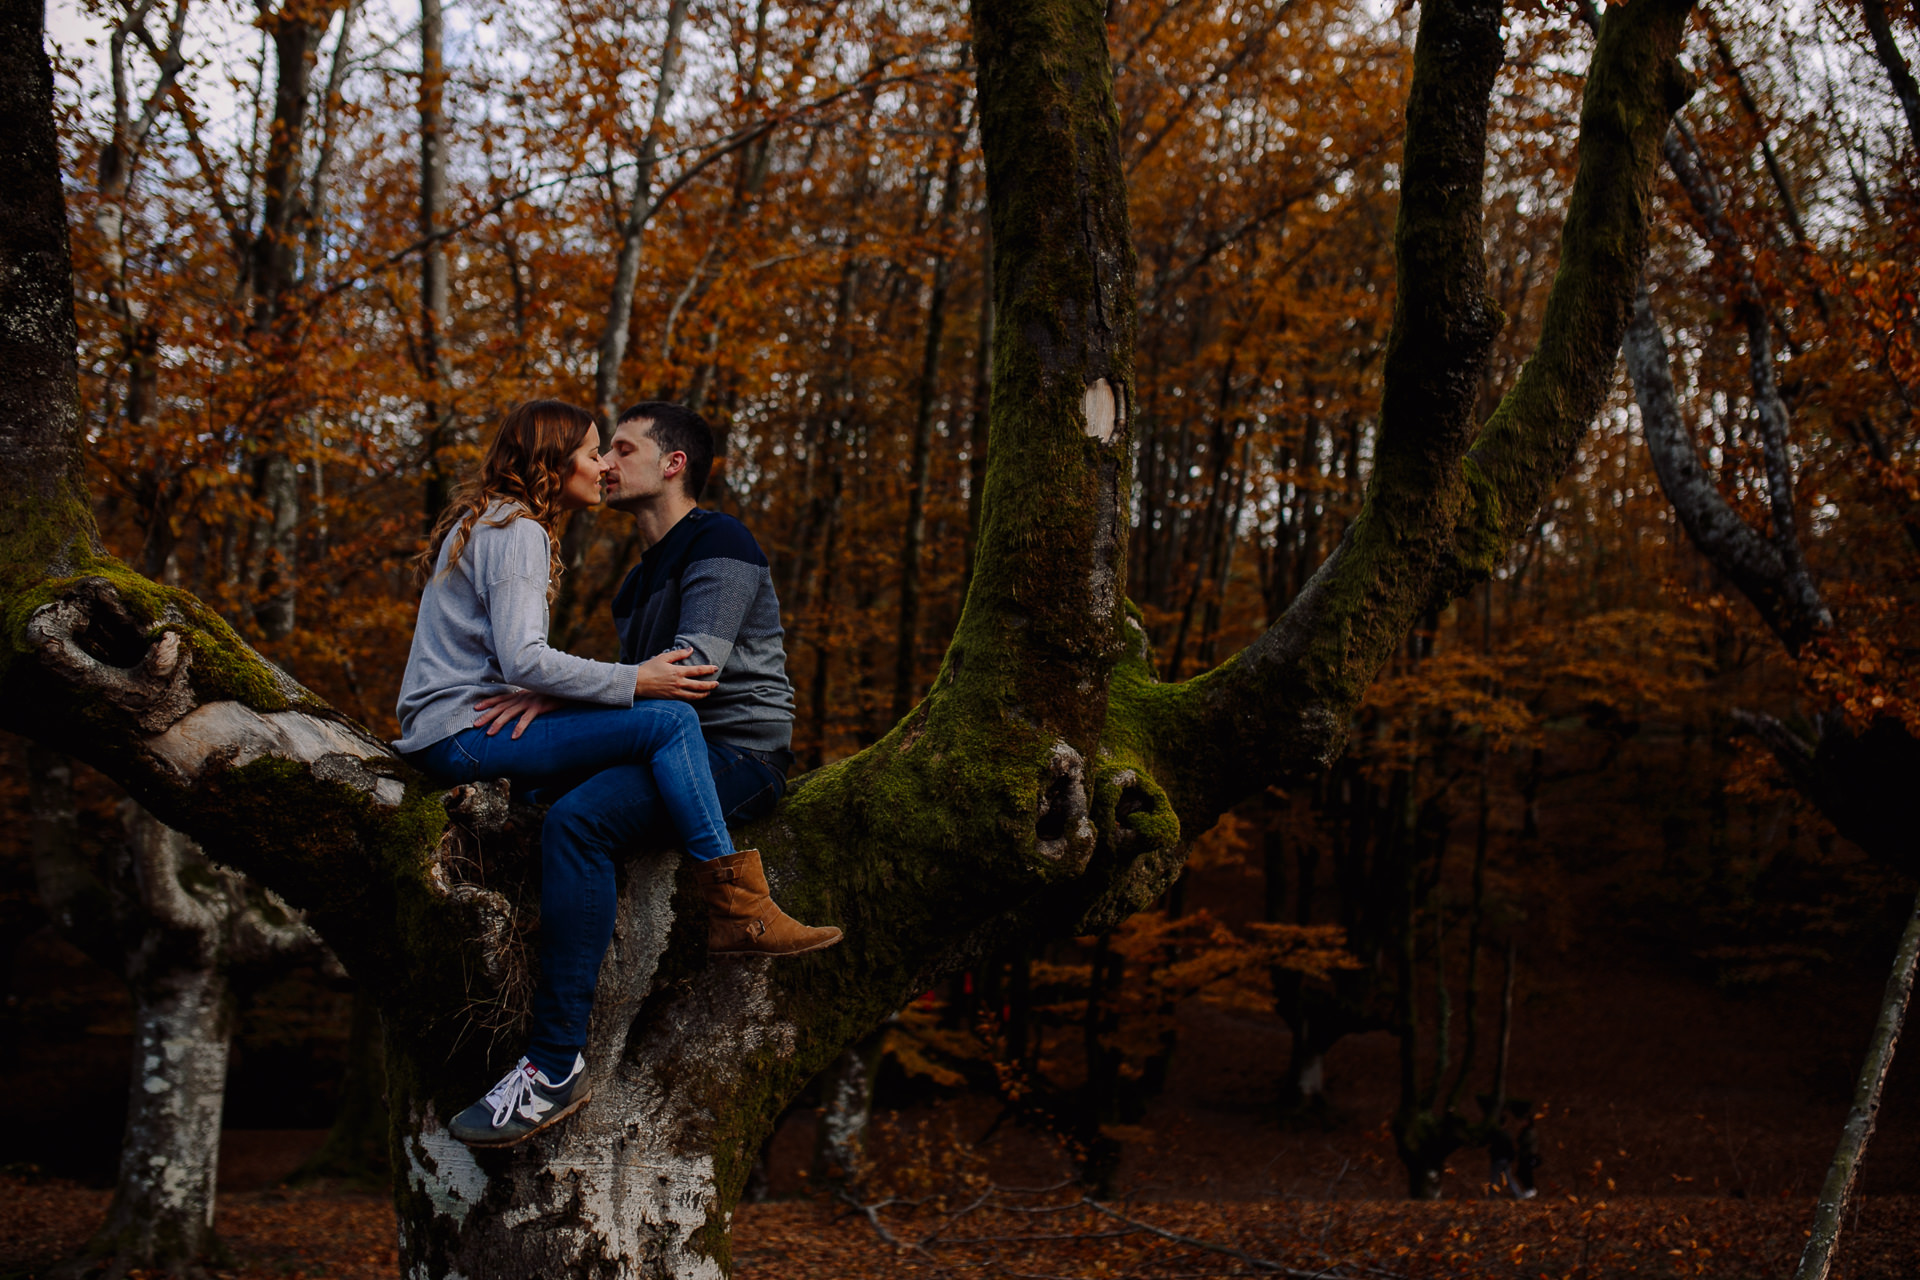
(90, 639)
(1060, 828)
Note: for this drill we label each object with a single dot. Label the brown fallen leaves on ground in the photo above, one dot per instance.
(288, 1235)
(1056, 1234)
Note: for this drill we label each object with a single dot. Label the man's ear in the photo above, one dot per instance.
(673, 464)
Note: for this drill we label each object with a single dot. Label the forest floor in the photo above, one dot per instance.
(306, 1234)
(1685, 1122)
(1685, 1132)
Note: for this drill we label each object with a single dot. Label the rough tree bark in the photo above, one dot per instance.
(1043, 787)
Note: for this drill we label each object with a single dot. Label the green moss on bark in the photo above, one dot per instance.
(224, 666)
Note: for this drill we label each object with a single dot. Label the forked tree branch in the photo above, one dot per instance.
(1778, 587)
(1444, 505)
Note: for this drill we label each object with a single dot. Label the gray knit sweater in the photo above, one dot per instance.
(482, 630)
(706, 586)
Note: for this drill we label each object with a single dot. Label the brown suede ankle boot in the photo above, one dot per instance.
(742, 920)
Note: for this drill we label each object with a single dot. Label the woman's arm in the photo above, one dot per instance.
(517, 616)
(659, 677)
(509, 569)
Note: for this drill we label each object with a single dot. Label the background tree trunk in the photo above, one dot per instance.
(436, 414)
(176, 926)
(568, 615)
(1844, 1173)
(162, 1210)
(275, 273)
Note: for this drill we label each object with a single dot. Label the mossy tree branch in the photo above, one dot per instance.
(1444, 504)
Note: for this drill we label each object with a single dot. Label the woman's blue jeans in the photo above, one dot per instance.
(623, 770)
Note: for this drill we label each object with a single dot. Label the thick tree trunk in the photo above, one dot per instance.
(1040, 789)
(45, 520)
(641, 1182)
(162, 1210)
(173, 924)
(176, 925)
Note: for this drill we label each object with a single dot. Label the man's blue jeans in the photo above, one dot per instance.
(623, 771)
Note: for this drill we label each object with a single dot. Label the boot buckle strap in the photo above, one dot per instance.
(757, 928)
(724, 875)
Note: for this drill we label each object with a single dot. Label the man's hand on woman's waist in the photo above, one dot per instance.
(665, 676)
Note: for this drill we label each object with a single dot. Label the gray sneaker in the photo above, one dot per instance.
(521, 1105)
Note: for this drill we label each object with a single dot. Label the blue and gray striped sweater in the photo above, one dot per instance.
(706, 587)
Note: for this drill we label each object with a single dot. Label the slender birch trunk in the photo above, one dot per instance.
(1830, 1213)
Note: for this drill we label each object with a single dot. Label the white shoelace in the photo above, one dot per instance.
(513, 1091)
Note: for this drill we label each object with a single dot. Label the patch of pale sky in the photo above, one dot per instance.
(1818, 71)
(223, 49)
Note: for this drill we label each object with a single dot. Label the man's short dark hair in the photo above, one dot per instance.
(677, 429)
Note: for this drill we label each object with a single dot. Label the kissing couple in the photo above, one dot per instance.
(691, 727)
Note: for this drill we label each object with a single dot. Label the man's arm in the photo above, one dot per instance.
(716, 591)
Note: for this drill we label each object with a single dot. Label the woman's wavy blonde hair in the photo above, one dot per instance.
(527, 464)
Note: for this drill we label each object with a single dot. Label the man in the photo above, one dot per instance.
(702, 598)
(704, 585)
(702, 590)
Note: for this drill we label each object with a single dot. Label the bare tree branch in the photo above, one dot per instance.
(1898, 72)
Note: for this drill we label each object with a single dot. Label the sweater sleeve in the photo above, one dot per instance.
(715, 595)
(515, 593)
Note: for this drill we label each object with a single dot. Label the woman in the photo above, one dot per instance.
(491, 571)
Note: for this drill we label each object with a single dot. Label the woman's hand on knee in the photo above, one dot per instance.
(497, 712)
(663, 676)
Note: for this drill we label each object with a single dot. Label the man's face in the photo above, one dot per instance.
(638, 472)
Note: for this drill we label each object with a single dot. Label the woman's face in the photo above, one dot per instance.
(585, 473)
